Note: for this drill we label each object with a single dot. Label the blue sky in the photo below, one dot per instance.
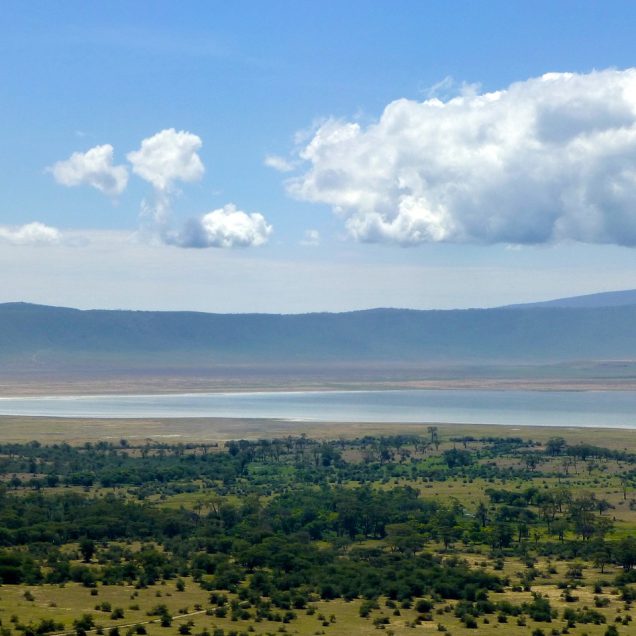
(251, 80)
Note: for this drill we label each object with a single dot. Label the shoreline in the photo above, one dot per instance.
(77, 431)
(188, 386)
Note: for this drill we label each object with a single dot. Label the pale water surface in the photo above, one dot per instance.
(547, 408)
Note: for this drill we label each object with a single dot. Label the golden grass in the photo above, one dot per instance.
(64, 604)
(51, 430)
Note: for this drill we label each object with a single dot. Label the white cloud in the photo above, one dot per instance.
(94, 168)
(545, 160)
(448, 88)
(311, 238)
(167, 157)
(30, 234)
(225, 227)
(163, 159)
(279, 163)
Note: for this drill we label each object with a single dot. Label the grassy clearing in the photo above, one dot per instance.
(77, 431)
(337, 617)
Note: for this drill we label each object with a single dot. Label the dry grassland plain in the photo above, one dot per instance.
(190, 608)
(51, 430)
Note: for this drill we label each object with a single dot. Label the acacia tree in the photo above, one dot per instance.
(601, 557)
(625, 553)
(482, 514)
(434, 433)
(582, 516)
(404, 537)
(87, 548)
(555, 446)
(624, 485)
(559, 528)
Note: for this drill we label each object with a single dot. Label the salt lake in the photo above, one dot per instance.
(545, 408)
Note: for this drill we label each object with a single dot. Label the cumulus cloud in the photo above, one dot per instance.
(164, 159)
(94, 168)
(225, 227)
(279, 163)
(311, 238)
(168, 157)
(545, 160)
(448, 88)
(30, 234)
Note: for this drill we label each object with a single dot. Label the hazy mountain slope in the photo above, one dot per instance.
(603, 299)
(32, 333)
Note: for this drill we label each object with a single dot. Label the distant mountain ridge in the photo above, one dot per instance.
(570, 329)
(601, 299)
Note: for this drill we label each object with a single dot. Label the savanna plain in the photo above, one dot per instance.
(220, 527)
